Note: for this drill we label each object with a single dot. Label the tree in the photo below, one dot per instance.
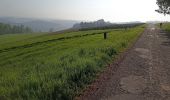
(164, 6)
(6, 29)
(28, 30)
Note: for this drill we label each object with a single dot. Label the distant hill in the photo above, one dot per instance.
(39, 25)
(155, 22)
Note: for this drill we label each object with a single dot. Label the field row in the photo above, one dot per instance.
(18, 40)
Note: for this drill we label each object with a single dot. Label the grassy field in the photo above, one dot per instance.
(54, 67)
(166, 26)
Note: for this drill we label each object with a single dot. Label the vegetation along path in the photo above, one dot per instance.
(143, 74)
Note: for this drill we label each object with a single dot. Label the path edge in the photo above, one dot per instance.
(101, 77)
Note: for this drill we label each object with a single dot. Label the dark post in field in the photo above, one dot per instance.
(105, 35)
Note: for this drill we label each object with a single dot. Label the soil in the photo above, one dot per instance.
(141, 73)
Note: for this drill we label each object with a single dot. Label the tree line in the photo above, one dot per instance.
(12, 29)
(113, 26)
(164, 6)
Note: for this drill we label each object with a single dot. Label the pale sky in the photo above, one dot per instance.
(87, 10)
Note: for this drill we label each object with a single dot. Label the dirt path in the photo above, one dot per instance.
(143, 74)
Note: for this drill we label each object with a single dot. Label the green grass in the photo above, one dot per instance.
(51, 66)
(166, 26)
(18, 40)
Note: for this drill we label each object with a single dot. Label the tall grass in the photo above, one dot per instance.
(166, 26)
(58, 70)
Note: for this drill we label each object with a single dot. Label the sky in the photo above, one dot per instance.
(84, 10)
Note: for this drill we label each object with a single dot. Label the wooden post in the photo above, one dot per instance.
(105, 35)
(160, 25)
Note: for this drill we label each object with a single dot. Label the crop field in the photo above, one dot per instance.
(57, 66)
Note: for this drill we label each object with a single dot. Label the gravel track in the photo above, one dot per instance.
(141, 73)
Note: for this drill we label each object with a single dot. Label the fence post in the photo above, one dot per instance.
(105, 35)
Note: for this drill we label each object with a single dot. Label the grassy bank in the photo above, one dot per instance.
(51, 66)
(166, 26)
